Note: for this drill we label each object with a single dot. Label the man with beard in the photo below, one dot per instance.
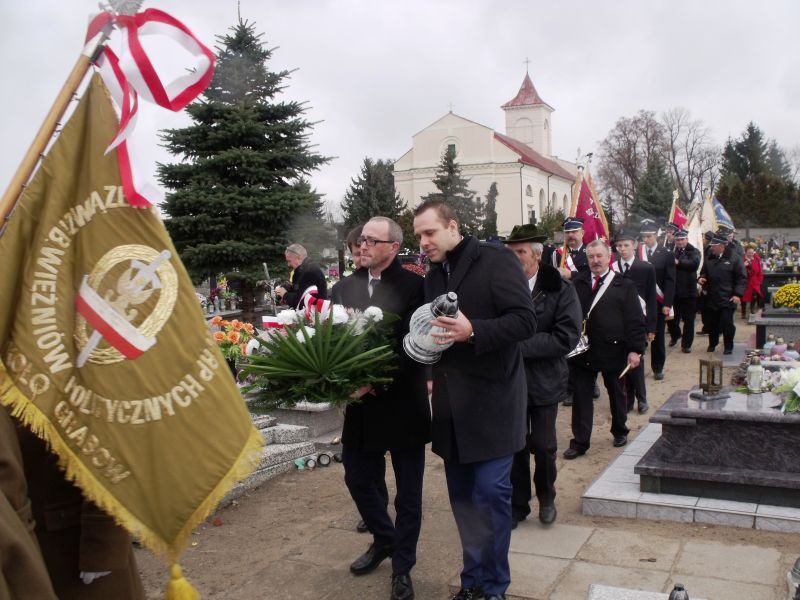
(394, 418)
(558, 328)
(479, 394)
(616, 332)
(687, 261)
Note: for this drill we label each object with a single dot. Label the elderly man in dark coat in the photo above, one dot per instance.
(394, 419)
(616, 331)
(558, 327)
(306, 274)
(479, 391)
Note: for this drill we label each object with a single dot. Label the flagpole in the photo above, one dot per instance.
(51, 121)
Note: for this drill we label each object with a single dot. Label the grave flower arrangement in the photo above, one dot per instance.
(787, 296)
(232, 337)
(789, 389)
(321, 354)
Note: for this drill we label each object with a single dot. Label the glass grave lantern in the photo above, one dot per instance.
(418, 343)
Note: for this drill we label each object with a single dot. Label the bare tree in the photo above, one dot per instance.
(624, 155)
(692, 158)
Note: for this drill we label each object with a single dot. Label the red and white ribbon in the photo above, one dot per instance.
(271, 323)
(132, 74)
(313, 304)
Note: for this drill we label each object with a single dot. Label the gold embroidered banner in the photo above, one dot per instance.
(105, 352)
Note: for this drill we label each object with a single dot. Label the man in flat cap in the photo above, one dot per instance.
(664, 263)
(558, 324)
(724, 278)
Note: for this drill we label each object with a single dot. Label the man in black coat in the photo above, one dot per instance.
(664, 262)
(616, 332)
(643, 274)
(724, 278)
(394, 419)
(558, 328)
(306, 274)
(571, 257)
(479, 393)
(687, 262)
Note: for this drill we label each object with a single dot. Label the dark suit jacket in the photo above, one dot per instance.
(579, 258)
(688, 261)
(643, 274)
(306, 275)
(615, 326)
(397, 416)
(479, 391)
(664, 262)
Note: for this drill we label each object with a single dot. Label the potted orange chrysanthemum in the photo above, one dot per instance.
(232, 338)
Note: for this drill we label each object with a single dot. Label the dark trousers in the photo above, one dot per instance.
(685, 313)
(583, 406)
(658, 350)
(634, 387)
(480, 496)
(543, 444)
(364, 475)
(720, 320)
(702, 308)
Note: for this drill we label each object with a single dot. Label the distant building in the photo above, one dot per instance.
(529, 178)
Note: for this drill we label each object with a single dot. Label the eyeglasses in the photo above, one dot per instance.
(371, 242)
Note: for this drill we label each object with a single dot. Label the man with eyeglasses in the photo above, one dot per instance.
(306, 274)
(394, 418)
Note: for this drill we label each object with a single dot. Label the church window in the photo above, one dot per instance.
(529, 191)
(566, 205)
(554, 201)
(531, 215)
(451, 148)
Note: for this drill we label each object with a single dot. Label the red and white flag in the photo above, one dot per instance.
(677, 216)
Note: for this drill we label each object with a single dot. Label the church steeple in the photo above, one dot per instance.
(528, 118)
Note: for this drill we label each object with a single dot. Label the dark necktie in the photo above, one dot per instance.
(597, 280)
(374, 283)
(446, 269)
(649, 254)
(625, 270)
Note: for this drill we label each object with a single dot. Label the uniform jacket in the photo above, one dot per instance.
(398, 415)
(643, 274)
(74, 534)
(578, 256)
(688, 261)
(558, 327)
(615, 326)
(22, 570)
(725, 277)
(664, 262)
(479, 391)
(307, 274)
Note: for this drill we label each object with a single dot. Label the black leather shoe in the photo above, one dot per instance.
(620, 441)
(369, 561)
(402, 588)
(573, 453)
(686, 350)
(474, 593)
(728, 351)
(711, 349)
(362, 527)
(516, 518)
(547, 514)
(643, 408)
(596, 392)
(674, 341)
(658, 376)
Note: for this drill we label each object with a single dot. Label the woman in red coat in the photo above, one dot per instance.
(755, 275)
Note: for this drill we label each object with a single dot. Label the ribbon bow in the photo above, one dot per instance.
(132, 74)
(314, 304)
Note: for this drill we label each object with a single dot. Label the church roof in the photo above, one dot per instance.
(526, 96)
(529, 156)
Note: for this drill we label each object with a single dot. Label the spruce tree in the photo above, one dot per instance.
(239, 190)
(372, 194)
(454, 190)
(489, 224)
(653, 197)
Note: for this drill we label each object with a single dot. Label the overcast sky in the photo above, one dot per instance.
(376, 72)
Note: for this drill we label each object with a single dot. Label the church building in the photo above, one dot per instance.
(529, 178)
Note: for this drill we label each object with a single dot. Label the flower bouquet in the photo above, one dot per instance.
(232, 337)
(787, 296)
(789, 389)
(320, 357)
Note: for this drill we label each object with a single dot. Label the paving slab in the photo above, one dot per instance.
(557, 540)
(720, 589)
(574, 584)
(334, 548)
(605, 592)
(737, 563)
(622, 549)
(534, 576)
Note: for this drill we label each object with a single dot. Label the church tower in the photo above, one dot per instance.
(528, 118)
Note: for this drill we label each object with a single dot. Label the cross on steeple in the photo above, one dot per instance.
(451, 106)
(527, 62)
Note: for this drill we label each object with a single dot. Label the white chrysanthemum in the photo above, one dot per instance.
(252, 346)
(339, 314)
(288, 317)
(373, 313)
(309, 333)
